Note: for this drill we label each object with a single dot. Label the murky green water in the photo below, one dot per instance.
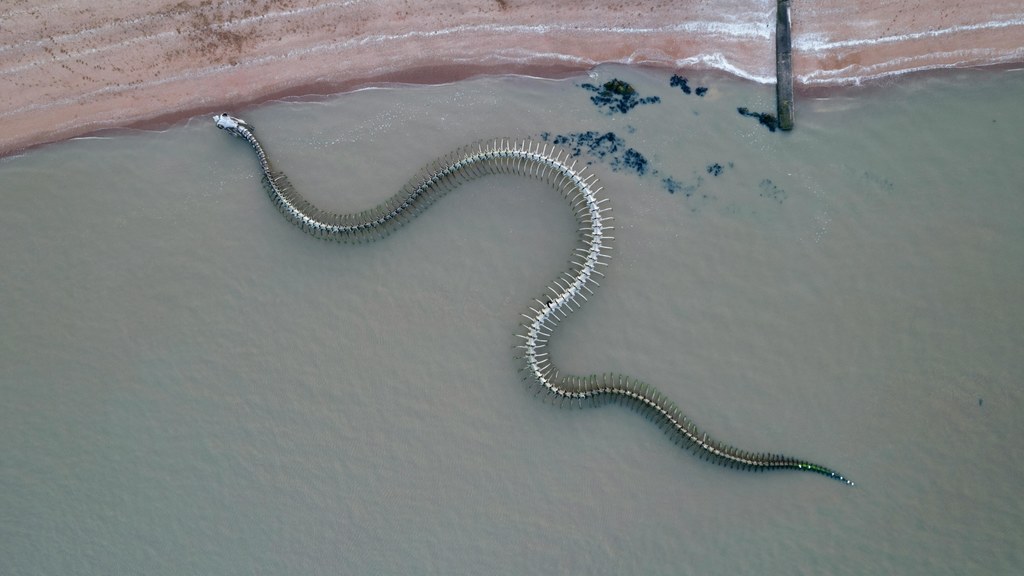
(191, 385)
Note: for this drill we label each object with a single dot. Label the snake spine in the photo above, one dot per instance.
(564, 295)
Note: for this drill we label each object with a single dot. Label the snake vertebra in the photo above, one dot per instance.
(581, 190)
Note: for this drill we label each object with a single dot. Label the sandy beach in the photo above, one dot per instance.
(69, 68)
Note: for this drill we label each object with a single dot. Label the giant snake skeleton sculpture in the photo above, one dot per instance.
(581, 190)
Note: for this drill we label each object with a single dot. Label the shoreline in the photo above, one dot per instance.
(314, 91)
(99, 69)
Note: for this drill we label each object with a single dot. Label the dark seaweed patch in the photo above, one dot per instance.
(882, 183)
(593, 143)
(673, 186)
(716, 169)
(771, 191)
(606, 147)
(683, 84)
(766, 119)
(677, 80)
(617, 96)
(631, 160)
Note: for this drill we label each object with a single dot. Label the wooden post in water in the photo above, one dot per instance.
(784, 67)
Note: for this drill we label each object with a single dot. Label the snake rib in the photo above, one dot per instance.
(565, 294)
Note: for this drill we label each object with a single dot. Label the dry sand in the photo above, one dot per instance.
(69, 67)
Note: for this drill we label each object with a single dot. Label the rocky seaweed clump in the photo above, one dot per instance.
(617, 96)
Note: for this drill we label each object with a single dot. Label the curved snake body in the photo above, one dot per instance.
(565, 294)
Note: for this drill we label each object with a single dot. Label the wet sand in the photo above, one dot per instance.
(68, 69)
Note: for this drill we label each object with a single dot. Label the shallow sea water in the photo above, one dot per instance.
(191, 385)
